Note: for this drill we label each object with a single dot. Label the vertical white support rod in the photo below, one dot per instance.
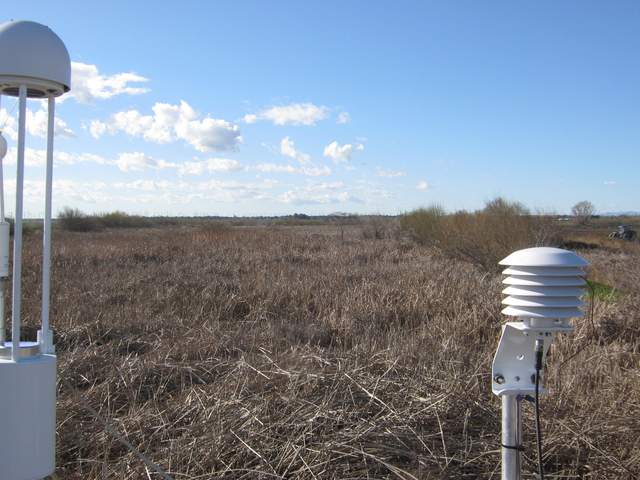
(2, 286)
(510, 437)
(45, 340)
(1, 181)
(17, 230)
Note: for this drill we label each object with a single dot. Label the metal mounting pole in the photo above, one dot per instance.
(17, 230)
(511, 426)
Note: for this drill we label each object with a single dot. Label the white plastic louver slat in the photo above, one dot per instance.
(545, 271)
(544, 281)
(528, 291)
(541, 312)
(554, 302)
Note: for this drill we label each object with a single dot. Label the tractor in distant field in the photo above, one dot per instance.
(624, 232)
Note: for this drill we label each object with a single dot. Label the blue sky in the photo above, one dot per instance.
(260, 108)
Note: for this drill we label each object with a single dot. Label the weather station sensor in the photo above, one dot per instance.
(543, 292)
(34, 63)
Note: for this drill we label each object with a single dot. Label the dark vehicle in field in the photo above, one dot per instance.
(624, 232)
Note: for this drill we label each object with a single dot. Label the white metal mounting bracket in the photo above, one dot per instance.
(514, 365)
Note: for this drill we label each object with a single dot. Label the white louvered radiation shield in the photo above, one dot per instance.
(543, 283)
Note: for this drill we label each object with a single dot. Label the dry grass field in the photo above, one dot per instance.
(295, 353)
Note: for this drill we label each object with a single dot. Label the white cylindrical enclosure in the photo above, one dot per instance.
(28, 408)
(4, 249)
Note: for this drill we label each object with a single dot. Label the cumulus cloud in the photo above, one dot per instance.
(169, 123)
(36, 124)
(343, 117)
(211, 165)
(288, 149)
(382, 172)
(292, 114)
(341, 153)
(422, 185)
(88, 84)
(307, 170)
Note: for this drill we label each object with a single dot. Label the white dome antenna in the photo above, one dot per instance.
(34, 63)
(32, 55)
(543, 291)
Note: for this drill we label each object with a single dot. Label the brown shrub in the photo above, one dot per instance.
(378, 227)
(483, 237)
(73, 220)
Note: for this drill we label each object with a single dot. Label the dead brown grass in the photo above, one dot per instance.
(266, 354)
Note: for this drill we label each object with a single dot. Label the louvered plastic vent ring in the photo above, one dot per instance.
(543, 282)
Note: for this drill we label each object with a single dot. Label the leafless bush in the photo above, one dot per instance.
(378, 227)
(73, 220)
(583, 211)
(118, 219)
(483, 237)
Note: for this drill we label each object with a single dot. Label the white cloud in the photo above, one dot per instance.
(209, 134)
(318, 193)
(88, 84)
(310, 171)
(144, 191)
(98, 128)
(288, 149)
(36, 124)
(37, 158)
(343, 117)
(372, 192)
(144, 185)
(381, 172)
(63, 190)
(292, 114)
(341, 153)
(125, 162)
(169, 123)
(233, 191)
(610, 182)
(138, 161)
(422, 185)
(8, 125)
(250, 118)
(210, 165)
